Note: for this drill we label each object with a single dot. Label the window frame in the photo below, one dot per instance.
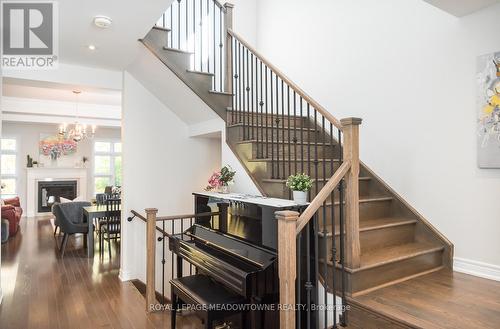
(112, 154)
(16, 173)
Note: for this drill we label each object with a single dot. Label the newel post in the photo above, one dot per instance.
(228, 25)
(350, 128)
(287, 268)
(150, 258)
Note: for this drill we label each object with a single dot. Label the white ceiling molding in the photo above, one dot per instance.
(30, 118)
(462, 8)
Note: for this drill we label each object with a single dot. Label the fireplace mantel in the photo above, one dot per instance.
(34, 175)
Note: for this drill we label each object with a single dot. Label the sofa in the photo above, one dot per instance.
(12, 212)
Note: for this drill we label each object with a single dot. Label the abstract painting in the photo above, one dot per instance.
(488, 111)
(55, 147)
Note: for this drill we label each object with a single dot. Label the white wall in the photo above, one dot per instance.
(162, 166)
(407, 69)
(28, 136)
(244, 19)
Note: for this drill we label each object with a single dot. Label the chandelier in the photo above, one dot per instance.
(78, 131)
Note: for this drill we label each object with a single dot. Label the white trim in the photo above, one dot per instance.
(124, 275)
(1, 296)
(480, 269)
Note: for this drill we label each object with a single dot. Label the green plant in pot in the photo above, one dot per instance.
(300, 184)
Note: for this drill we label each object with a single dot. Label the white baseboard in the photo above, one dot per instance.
(480, 269)
(125, 275)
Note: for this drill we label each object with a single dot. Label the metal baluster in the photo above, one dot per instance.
(316, 265)
(251, 97)
(289, 135)
(262, 115)
(178, 24)
(334, 247)
(277, 130)
(194, 35)
(308, 283)
(316, 160)
(247, 92)
(163, 265)
(191, 221)
(302, 138)
(214, 83)
(283, 127)
(220, 50)
(172, 231)
(298, 286)
(309, 144)
(256, 127)
(171, 27)
(325, 231)
(267, 113)
(342, 239)
(295, 130)
(240, 89)
(272, 124)
(186, 30)
(208, 36)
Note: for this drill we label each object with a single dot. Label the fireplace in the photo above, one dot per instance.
(51, 191)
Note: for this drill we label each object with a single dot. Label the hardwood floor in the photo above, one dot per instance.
(443, 299)
(42, 291)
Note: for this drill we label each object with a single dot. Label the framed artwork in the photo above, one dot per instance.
(488, 110)
(55, 147)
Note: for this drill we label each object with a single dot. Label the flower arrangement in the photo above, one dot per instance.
(222, 178)
(54, 147)
(299, 182)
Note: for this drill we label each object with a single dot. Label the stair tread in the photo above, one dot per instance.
(178, 50)
(200, 72)
(220, 92)
(381, 256)
(268, 126)
(275, 180)
(367, 199)
(293, 160)
(284, 142)
(161, 28)
(374, 224)
(391, 254)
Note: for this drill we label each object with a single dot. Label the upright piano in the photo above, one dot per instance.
(238, 249)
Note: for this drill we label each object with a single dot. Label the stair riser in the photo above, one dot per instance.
(268, 120)
(269, 134)
(279, 189)
(388, 273)
(384, 237)
(283, 169)
(367, 210)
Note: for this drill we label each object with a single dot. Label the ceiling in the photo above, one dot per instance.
(461, 8)
(21, 88)
(117, 45)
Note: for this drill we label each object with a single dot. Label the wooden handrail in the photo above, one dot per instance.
(322, 195)
(289, 82)
(174, 217)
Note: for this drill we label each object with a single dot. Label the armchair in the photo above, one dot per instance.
(69, 216)
(12, 212)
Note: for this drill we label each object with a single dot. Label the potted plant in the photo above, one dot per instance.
(221, 180)
(299, 184)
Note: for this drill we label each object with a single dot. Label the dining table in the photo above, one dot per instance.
(92, 212)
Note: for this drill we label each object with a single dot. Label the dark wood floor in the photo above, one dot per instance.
(443, 299)
(42, 291)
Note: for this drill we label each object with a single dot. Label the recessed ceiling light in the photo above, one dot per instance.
(91, 47)
(102, 21)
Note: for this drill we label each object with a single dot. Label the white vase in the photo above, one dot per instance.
(300, 197)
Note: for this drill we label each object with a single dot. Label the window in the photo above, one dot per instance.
(8, 159)
(107, 165)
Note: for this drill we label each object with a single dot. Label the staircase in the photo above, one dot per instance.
(275, 129)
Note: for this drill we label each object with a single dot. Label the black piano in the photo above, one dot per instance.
(238, 250)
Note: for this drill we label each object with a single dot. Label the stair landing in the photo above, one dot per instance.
(443, 299)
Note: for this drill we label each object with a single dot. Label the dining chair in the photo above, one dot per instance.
(71, 220)
(110, 225)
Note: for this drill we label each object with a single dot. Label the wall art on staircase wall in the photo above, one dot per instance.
(488, 110)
